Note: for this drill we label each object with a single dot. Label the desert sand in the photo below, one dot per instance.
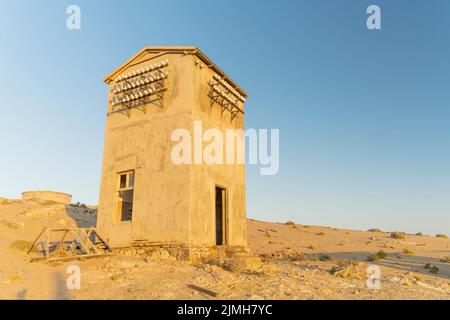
(299, 262)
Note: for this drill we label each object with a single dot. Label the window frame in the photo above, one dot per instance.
(129, 186)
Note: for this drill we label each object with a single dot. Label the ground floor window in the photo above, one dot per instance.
(125, 195)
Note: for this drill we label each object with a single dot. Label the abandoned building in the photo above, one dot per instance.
(145, 198)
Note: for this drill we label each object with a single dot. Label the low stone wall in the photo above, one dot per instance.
(57, 197)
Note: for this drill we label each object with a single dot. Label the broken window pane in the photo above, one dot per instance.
(126, 205)
(131, 179)
(123, 181)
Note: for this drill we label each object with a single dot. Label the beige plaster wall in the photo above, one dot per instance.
(172, 203)
(142, 143)
(204, 178)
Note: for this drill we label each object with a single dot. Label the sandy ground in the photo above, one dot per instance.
(298, 263)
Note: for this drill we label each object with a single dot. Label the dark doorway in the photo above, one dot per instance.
(220, 215)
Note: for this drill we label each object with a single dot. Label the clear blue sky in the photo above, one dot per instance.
(363, 115)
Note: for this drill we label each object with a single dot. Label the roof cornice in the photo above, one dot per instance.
(161, 50)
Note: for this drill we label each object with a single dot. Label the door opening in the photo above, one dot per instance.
(220, 215)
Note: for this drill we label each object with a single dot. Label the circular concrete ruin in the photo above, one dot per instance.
(45, 195)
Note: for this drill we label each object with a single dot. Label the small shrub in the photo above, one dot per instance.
(434, 270)
(20, 245)
(320, 233)
(311, 247)
(377, 256)
(427, 266)
(374, 230)
(15, 277)
(290, 223)
(116, 277)
(398, 235)
(440, 235)
(419, 234)
(407, 251)
(445, 259)
(324, 257)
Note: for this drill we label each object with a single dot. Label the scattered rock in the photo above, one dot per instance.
(408, 251)
(405, 281)
(289, 254)
(161, 254)
(12, 224)
(116, 277)
(349, 270)
(241, 264)
(398, 235)
(394, 279)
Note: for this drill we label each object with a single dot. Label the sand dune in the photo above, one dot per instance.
(299, 262)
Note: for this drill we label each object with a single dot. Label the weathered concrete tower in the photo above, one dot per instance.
(146, 198)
